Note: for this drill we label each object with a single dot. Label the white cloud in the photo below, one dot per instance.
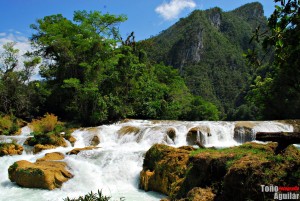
(171, 10)
(22, 43)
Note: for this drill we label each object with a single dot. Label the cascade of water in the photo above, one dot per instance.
(116, 165)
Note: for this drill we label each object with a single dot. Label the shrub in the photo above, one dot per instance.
(45, 124)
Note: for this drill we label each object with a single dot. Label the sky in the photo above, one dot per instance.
(145, 17)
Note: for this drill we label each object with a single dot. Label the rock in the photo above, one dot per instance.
(71, 139)
(39, 147)
(235, 173)
(42, 174)
(200, 194)
(10, 149)
(52, 157)
(164, 169)
(128, 130)
(77, 150)
(95, 140)
(243, 132)
(171, 133)
(197, 134)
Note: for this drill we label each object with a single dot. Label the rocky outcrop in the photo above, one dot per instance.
(77, 150)
(164, 169)
(45, 173)
(10, 149)
(228, 174)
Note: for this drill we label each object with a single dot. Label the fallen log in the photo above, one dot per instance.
(284, 139)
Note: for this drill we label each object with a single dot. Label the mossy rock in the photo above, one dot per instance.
(42, 174)
(232, 173)
(164, 168)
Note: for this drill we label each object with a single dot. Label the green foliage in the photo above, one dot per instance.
(29, 171)
(14, 93)
(202, 110)
(47, 130)
(276, 89)
(97, 77)
(8, 125)
(206, 48)
(92, 197)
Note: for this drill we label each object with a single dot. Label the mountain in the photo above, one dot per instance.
(207, 47)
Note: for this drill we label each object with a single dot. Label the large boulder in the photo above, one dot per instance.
(10, 149)
(45, 173)
(235, 173)
(164, 169)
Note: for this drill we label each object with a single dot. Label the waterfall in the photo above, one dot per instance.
(115, 166)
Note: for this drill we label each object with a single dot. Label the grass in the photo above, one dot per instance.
(236, 153)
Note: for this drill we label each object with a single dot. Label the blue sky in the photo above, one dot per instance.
(145, 17)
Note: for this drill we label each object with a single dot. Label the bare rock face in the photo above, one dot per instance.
(46, 173)
(10, 149)
(77, 150)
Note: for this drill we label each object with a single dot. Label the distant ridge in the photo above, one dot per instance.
(207, 47)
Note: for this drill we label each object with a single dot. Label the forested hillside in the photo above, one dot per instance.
(207, 47)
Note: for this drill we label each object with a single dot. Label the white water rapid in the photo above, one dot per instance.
(116, 165)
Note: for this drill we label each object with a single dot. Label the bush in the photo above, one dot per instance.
(47, 131)
(45, 124)
(8, 125)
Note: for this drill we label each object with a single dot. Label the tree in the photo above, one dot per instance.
(93, 76)
(14, 79)
(281, 83)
